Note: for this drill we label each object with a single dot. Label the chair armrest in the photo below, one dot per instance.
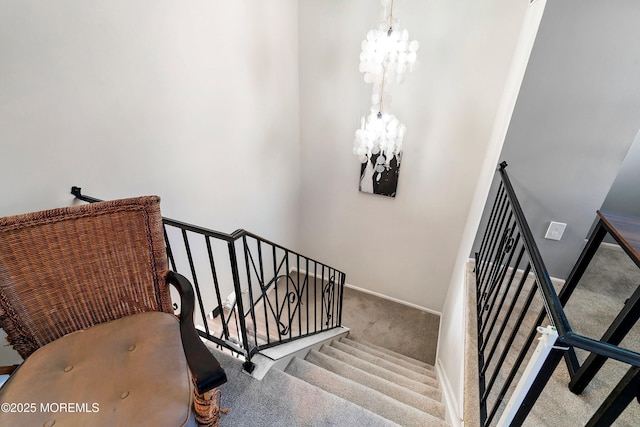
(204, 367)
(8, 370)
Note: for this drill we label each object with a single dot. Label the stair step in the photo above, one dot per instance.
(418, 401)
(409, 373)
(284, 400)
(365, 397)
(428, 388)
(409, 359)
(391, 358)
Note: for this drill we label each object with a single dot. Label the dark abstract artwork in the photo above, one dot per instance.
(384, 182)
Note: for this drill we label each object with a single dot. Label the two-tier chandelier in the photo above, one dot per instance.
(387, 54)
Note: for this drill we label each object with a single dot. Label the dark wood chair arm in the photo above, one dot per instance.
(8, 370)
(204, 367)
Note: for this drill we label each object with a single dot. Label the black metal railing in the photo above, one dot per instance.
(252, 293)
(512, 286)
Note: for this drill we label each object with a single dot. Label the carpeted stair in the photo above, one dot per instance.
(396, 387)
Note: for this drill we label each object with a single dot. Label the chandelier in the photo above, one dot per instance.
(386, 56)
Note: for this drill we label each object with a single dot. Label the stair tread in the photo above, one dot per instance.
(399, 393)
(429, 387)
(281, 399)
(409, 359)
(365, 397)
(392, 358)
(409, 373)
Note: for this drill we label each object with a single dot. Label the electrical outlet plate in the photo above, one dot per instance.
(555, 230)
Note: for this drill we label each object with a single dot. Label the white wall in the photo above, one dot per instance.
(194, 101)
(405, 247)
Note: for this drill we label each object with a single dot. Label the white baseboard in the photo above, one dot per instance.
(375, 294)
(450, 399)
(399, 301)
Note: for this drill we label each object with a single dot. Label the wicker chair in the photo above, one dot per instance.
(84, 299)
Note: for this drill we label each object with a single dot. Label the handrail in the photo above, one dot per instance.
(508, 245)
(320, 284)
(602, 348)
(552, 303)
(236, 235)
(551, 300)
(77, 192)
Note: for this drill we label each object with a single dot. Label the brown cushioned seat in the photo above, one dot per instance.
(134, 366)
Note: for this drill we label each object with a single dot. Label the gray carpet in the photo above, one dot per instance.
(381, 396)
(395, 326)
(324, 390)
(283, 400)
(334, 385)
(398, 327)
(608, 282)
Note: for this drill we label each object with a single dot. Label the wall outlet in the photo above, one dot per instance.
(555, 230)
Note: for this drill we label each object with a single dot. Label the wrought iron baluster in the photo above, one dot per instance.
(498, 285)
(216, 286)
(195, 280)
(328, 301)
(172, 262)
(315, 296)
(504, 297)
(288, 294)
(495, 233)
(276, 285)
(322, 296)
(299, 294)
(480, 255)
(264, 289)
(496, 266)
(503, 356)
(306, 277)
(343, 279)
(252, 301)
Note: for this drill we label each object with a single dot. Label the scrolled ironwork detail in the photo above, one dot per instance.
(509, 245)
(292, 298)
(328, 299)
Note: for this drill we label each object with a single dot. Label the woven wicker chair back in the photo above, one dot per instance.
(68, 269)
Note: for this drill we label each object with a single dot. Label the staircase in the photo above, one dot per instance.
(344, 383)
(396, 387)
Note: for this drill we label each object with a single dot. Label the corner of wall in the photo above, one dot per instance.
(451, 343)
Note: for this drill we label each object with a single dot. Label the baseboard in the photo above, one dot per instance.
(449, 397)
(375, 294)
(399, 301)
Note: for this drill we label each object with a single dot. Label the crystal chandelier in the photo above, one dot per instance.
(387, 54)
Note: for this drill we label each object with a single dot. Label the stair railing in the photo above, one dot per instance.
(512, 282)
(252, 293)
